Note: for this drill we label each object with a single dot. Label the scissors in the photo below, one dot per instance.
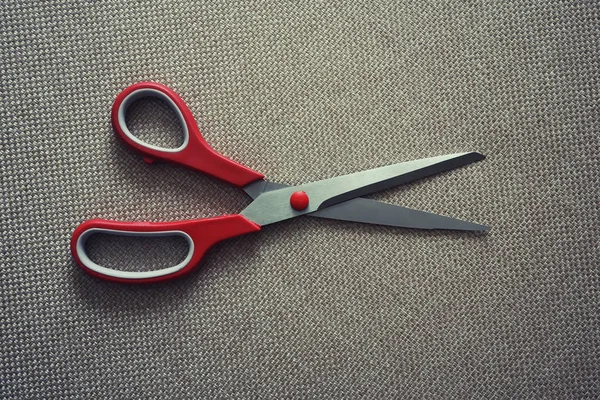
(335, 198)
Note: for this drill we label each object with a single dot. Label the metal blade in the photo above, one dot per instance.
(273, 206)
(257, 188)
(375, 212)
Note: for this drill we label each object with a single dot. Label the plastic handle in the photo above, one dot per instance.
(194, 153)
(200, 234)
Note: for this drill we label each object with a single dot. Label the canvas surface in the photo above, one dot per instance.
(306, 308)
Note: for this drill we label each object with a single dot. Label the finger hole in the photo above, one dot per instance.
(134, 255)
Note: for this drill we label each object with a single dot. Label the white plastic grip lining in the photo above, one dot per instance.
(141, 93)
(132, 275)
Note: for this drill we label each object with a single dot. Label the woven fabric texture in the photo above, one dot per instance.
(302, 91)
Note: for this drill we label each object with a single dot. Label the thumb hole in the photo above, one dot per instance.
(153, 121)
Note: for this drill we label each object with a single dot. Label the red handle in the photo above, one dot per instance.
(194, 153)
(200, 234)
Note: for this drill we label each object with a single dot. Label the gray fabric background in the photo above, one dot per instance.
(307, 308)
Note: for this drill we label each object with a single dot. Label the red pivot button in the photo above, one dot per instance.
(299, 200)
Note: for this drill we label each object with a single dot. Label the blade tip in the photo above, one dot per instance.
(477, 156)
(484, 228)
